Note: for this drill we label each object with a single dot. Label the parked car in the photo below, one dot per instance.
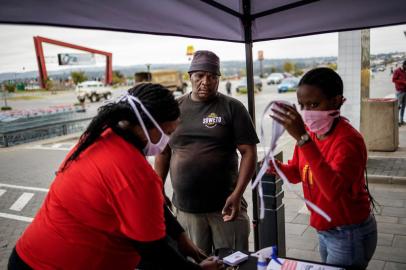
(171, 79)
(242, 85)
(92, 90)
(381, 68)
(274, 78)
(288, 84)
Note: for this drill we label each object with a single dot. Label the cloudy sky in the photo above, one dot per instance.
(17, 47)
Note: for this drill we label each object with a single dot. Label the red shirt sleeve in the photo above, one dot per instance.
(139, 208)
(347, 165)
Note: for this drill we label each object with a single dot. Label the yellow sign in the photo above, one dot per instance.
(260, 55)
(190, 50)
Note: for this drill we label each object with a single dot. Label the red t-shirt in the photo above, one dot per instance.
(95, 207)
(332, 176)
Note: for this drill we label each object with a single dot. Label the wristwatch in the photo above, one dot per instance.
(303, 139)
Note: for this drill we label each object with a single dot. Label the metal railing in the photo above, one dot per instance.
(32, 128)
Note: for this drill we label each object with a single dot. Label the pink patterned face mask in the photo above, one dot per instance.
(319, 122)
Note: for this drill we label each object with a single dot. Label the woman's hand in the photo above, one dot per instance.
(212, 263)
(188, 248)
(231, 208)
(290, 119)
(271, 167)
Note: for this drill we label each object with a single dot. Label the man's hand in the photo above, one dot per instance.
(231, 208)
(188, 248)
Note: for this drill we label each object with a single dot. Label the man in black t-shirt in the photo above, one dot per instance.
(208, 184)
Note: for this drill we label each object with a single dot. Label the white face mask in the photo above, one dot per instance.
(151, 149)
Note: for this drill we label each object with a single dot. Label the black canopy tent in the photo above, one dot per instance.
(244, 21)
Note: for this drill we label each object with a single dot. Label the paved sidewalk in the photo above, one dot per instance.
(387, 185)
(389, 167)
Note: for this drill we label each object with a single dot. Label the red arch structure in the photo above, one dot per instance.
(43, 75)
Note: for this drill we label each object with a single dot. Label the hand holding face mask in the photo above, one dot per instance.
(319, 122)
(290, 119)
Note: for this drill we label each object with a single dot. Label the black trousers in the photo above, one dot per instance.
(16, 263)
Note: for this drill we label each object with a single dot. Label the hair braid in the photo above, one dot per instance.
(158, 100)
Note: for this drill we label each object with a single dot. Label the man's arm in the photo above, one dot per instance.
(162, 162)
(247, 166)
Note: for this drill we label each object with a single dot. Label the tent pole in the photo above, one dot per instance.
(250, 80)
(251, 110)
(247, 22)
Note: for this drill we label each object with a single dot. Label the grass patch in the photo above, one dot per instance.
(24, 98)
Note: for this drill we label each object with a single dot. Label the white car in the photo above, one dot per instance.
(274, 78)
(92, 90)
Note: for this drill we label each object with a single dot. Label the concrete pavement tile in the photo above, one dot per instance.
(293, 203)
(390, 254)
(300, 242)
(395, 266)
(394, 211)
(391, 194)
(398, 180)
(386, 187)
(376, 265)
(303, 254)
(310, 232)
(392, 228)
(291, 195)
(402, 220)
(386, 219)
(290, 215)
(391, 202)
(295, 229)
(399, 241)
(301, 219)
(385, 239)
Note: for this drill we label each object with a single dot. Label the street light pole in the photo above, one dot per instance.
(5, 96)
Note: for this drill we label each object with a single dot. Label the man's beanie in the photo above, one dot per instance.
(205, 61)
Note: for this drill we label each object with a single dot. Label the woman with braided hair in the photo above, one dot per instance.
(104, 209)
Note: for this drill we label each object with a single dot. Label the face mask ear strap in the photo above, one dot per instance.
(146, 112)
(138, 115)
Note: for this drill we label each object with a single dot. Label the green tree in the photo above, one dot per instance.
(288, 67)
(118, 77)
(333, 66)
(242, 73)
(10, 87)
(49, 85)
(78, 76)
(186, 76)
(298, 72)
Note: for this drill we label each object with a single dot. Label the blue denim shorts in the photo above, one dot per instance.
(350, 245)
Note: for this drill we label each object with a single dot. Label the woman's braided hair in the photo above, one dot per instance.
(158, 100)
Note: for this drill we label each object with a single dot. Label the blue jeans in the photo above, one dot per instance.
(350, 245)
(401, 96)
